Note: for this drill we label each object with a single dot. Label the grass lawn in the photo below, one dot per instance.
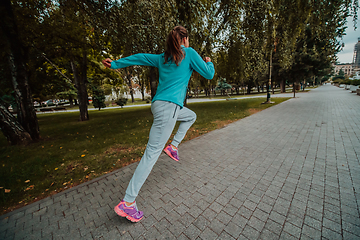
(73, 152)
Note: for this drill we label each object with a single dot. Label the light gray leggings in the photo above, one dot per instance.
(165, 116)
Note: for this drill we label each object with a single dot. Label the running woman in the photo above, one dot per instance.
(175, 68)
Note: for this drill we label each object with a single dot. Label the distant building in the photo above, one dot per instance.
(350, 68)
(356, 57)
(346, 67)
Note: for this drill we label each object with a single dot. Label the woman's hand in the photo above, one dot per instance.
(107, 62)
(207, 59)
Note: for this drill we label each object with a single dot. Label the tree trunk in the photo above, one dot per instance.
(282, 86)
(248, 90)
(129, 77)
(80, 84)
(294, 88)
(142, 88)
(153, 82)
(17, 58)
(71, 101)
(13, 131)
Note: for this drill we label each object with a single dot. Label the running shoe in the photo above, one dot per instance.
(173, 153)
(129, 212)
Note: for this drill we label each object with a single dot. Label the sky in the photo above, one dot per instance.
(350, 39)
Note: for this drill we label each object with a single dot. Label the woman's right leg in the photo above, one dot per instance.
(164, 122)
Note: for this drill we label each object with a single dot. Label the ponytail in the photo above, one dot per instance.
(173, 50)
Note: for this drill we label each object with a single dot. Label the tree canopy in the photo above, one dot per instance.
(54, 47)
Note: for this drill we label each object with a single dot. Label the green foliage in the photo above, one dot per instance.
(340, 77)
(98, 97)
(121, 101)
(222, 84)
(8, 100)
(355, 82)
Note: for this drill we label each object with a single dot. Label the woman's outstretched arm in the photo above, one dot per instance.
(141, 59)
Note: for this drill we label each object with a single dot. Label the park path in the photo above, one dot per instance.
(289, 172)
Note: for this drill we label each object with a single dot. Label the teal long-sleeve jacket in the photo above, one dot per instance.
(173, 79)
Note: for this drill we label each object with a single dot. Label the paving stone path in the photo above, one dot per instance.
(289, 172)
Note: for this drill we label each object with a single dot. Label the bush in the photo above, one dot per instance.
(121, 101)
(356, 82)
(98, 97)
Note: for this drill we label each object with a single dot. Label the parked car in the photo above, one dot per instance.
(49, 102)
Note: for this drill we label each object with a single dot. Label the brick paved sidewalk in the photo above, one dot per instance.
(289, 172)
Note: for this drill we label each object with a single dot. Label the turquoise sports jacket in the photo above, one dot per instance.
(173, 80)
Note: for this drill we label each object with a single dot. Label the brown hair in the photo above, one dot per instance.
(173, 45)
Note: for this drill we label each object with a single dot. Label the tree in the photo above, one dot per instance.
(223, 86)
(25, 129)
(98, 97)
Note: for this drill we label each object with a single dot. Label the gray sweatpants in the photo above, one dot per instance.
(165, 116)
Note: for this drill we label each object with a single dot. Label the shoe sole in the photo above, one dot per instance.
(121, 213)
(169, 154)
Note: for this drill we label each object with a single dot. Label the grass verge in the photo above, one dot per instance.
(73, 152)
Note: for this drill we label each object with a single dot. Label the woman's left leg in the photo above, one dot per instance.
(186, 118)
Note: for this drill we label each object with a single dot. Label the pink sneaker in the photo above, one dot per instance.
(130, 212)
(172, 153)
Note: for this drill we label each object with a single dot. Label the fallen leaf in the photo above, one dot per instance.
(86, 168)
(83, 155)
(7, 190)
(56, 169)
(64, 183)
(60, 147)
(42, 146)
(27, 181)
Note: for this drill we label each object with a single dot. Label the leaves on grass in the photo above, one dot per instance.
(27, 181)
(7, 190)
(29, 188)
(83, 155)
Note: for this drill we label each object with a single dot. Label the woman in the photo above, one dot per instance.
(175, 68)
